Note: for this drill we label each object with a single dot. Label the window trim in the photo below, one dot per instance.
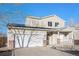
(56, 24)
(50, 23)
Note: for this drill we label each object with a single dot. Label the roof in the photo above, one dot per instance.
(16, 25)
(34, 17)
(67, 30)
(22, 26)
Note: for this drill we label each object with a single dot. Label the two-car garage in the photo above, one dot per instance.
(31, 39)
(25, 37)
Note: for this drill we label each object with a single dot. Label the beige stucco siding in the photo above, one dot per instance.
(43, 22)
(76, 34)
(53, 19)
(61, 40)
(31, 22)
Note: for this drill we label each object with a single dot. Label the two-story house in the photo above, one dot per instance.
(40, 31)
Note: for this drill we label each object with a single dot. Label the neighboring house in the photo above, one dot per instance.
(45, 31)
(76, 34)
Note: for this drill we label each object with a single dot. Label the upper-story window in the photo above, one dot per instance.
(49, 23)
(56, 24)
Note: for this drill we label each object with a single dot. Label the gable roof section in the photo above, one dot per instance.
(33, 17)
(40, 18)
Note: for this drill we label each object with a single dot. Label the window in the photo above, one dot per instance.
(49, 23)
(56, 24)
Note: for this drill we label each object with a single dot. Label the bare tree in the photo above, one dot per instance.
(7, 16)
(72, 22)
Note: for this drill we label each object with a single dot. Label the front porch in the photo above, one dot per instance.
(60, 39)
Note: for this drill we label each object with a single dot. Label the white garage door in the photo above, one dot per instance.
(27, 40)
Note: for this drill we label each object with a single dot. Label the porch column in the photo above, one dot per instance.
(58, 34)
(73, 38)
(72, 35)
(58, 38)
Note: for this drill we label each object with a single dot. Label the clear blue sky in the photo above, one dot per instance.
(65, 11)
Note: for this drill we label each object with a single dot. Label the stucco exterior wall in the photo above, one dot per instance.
(32, 22)
(61, 40)
(43, 22)
(53, 19)
(76, 34)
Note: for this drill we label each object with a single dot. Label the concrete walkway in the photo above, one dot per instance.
(40, 51)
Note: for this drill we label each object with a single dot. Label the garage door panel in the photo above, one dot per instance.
(35, 40)
(17, 44)
(26, 38)
(18, 41)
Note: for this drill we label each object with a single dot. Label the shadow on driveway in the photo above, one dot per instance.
(6, 53)
(76, 53)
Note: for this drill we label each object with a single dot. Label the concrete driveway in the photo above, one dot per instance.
(40, 51)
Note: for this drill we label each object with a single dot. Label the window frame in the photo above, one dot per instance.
(50, 23)
(56, 24)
